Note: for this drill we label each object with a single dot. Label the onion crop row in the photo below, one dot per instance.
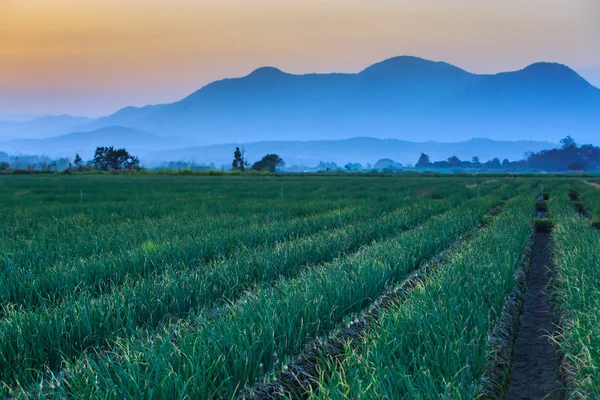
(576, 288)
(218, 351)
(34, 340)
(49, 223)
(36, 243)
(433, 344)
(23, 286)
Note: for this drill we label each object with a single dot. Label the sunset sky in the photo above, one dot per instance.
(91, 57)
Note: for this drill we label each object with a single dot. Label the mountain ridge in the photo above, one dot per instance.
(357, 149)
(401, 97)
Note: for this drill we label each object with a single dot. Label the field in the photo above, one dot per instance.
(167, 287)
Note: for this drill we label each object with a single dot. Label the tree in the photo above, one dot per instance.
(353, 167)
(268, 163)
(109, 158)
(494, 163)
(238, 164)
(327, 166)
(78, 162)
(423, 162)
(4, 166)
(454, 161)
(567, 142)
(576, 166)
(505, 163)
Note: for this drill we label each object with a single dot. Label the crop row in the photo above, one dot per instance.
(37, 232)
(433, 344)
(25, 286)
(39, 242)
(72, 253)
(217, 351)
(576, 286)
(82, 321)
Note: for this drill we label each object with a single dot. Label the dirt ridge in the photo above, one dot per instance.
(536, 364)
(299, 377)
(502, 337)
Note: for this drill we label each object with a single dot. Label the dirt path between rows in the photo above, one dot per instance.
(592, 184)
(535, 366)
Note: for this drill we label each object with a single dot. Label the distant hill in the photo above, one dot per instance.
(363, 150)
(592, 75)
(128, 116)
(4, 117)
(41, 127)
(85, 143)
(405, 98)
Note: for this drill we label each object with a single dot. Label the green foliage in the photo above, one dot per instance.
(238, 164)
(576, 288)
(111, 159)
(544, 225)
(186, 285)
(541, 206)
(268, 163)
(433, 345)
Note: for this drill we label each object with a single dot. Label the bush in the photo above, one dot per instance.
(573, 195)
(580, 207)
(543, 225)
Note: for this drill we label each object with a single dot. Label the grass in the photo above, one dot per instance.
(216, 352)
(444, 324)
(576, 287)
(174, 286)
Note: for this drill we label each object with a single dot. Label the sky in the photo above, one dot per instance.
(92, 57)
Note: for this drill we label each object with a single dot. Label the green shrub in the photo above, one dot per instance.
(543, 225)
(541, 206)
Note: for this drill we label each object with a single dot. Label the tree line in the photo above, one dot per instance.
(269, 163)
(568, 157)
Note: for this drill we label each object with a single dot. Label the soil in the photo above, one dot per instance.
(536, 362)
(592, 184)
(298, 380)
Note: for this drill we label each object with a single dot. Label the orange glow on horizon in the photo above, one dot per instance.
(159, 50)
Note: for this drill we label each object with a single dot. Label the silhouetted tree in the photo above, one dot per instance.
(268, 163)
(109, 158)
(238, 164)
(78, 162)
(567, 142)
(576, 166)
(423, 161)
(353, 167)
(454, 161)
(494, 163)
(327, 166)
(505, 163)
(475, 160)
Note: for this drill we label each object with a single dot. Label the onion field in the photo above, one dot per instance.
(268, 287)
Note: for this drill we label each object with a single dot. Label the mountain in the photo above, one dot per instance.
(41, 127)
(543, 101)
(85, 143)
(127, 116)
(402, 98)
(363, 150)
(17, 117)
(592, 75)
